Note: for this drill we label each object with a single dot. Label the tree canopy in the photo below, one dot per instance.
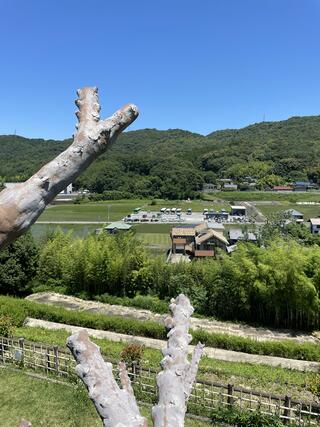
(175, 163)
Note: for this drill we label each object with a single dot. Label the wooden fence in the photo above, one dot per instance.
(206, 396)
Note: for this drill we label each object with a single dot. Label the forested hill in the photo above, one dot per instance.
(175, 163)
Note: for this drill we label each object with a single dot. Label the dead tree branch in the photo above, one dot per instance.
(21, 205)
(118, 407)
(178, 375)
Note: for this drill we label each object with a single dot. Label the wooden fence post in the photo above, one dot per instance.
(230, 394)
(2, 350)
(56, 358)
(21, 345)
(287, 405)
(47, 360)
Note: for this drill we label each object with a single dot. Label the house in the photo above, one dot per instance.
(115, 227)
(248, 186)
(230, 187)
(282, 188)
(236, 235)
(209, 187)
(238, 210)
(197, 240)
(67, 190)
(303, 186)
(314, 225)
(294, 214)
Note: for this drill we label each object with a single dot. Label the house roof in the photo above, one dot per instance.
(118, 225)
(294, 212)
(215, 226)
(209, 234)
(200, 227)
(303, 183)
(238, 207)
(282, 187)
(183, 231)
(315, 221)
(238, 234)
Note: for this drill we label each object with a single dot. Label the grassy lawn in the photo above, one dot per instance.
(43, 403)
(258, 377)
(157, 239)
(49, 404)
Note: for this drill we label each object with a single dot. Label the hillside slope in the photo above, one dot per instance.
(175, 163)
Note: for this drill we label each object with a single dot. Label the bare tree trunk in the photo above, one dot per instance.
(178, 375)
(118, 407)
(21, 205)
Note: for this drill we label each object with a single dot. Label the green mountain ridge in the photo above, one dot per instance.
(175, 163)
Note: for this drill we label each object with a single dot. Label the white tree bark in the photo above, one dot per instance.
(178, 375)
(21, 205)
(117, 407)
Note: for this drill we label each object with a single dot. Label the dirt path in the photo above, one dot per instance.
(260, 334)
(214, 353)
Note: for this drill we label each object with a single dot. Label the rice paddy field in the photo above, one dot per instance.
(156, 236)
(118, 209)
(309, 211)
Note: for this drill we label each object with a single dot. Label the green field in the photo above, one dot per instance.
(309, 211)
(95, 211)
(117, 209)
(159, 240)
(247, 196)
(50, 404)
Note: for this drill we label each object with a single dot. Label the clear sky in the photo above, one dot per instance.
(198, 65)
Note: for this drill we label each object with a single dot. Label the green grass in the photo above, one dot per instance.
(117, 209)
(161, 240)
(264, 195)
(153, 228)
(309, 211)
(43, 403)
(49, 404)
(94, 211)
(258, 377)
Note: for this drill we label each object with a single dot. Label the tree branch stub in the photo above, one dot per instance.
(21, 205)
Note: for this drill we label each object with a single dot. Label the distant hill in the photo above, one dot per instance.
(175, 163)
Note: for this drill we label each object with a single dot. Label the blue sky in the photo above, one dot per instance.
(198, 65)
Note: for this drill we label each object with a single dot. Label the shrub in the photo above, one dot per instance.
(20, 309)
(146, 302)
(313, 384)
(6, 326)
(132, 355)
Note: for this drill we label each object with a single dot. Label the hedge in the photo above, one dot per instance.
(19, 309)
